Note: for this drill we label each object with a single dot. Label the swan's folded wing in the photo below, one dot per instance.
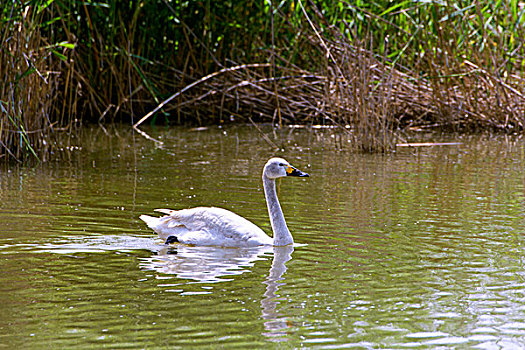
(194, 219)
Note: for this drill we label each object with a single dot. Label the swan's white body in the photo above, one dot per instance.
(209, 226)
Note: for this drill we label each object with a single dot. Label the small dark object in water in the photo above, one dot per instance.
(171, 239)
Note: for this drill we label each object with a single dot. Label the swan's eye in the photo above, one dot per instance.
(281, 164)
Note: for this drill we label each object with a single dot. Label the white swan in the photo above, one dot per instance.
(209, 226)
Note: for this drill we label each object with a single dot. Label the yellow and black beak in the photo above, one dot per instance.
(291, 171)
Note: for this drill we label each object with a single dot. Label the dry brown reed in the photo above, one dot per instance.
(353, 90)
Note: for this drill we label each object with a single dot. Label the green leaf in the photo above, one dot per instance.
(66, 45)
(59, 55)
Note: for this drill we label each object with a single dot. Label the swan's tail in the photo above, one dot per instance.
(164, 226)
(151, 221)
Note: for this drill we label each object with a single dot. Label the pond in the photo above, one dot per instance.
(420, 248)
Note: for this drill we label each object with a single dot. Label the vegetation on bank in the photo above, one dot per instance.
(373, 67)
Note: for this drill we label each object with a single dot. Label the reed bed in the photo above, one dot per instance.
(455, 66)
(372, 69)
(36, 98)
(22, 72)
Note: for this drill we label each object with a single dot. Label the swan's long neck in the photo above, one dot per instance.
(281, 234)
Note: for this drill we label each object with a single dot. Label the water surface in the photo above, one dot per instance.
(421, 248)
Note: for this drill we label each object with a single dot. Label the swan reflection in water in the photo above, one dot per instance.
(276, 323)
(215, 264)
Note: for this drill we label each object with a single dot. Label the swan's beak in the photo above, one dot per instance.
(291, 171)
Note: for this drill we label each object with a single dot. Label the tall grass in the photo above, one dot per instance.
(372, 68)
(37, 98)
(25, 84)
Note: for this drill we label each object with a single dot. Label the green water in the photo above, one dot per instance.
(420, 249)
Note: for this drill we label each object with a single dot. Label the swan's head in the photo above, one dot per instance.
(278, 167)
